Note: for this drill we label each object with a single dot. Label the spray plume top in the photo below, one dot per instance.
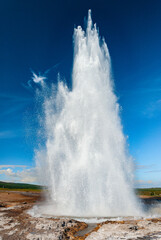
(89, 26)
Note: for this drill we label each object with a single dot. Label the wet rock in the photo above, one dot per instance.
(11, 221)
(135, 228)
(3, 205)
(63, 224)
(61, 237)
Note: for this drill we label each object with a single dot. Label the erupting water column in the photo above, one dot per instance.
(85, 161)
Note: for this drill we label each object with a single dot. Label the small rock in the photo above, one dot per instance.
(63, 224)
(3, 205)
(11, 221)
(135, 228)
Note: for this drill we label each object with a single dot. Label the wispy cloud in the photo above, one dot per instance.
(28, 86)
(38, 78)
(7, 134)
(153, 171)
(26, 175)
(11, 104)
(153, 109)
(143, 181)
(149, 101)
(141, 91)
(12, 109)
(140, 166)
(10, 134)
(147, 183)
(13, 166)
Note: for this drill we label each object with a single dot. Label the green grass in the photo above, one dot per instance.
(18, 186)
(37, 188)
(149, 191)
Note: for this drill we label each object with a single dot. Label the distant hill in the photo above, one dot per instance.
(148, 191)
(11, 185)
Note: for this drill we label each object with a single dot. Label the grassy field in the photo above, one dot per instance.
(149, 191)
(19, 186)
(37, 188)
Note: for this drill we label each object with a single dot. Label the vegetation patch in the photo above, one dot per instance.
(18, 186)
(149, 191)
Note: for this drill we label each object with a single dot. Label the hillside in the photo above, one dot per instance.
(11, 185)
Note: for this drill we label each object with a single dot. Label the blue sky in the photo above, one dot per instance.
(37, 35)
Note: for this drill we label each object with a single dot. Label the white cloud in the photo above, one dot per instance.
(147, 183)
(13, 166)
(38, 78)
(25, 175)
(143, 181)
(7, 171)
(153, 171)
(14, 98)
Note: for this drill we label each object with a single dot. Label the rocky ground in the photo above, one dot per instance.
(17, 224)
(138, 229)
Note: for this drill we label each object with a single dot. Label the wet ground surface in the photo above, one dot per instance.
(17, 224)
(129, 229)
(88, 229)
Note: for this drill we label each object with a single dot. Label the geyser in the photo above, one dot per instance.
(85, 161)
